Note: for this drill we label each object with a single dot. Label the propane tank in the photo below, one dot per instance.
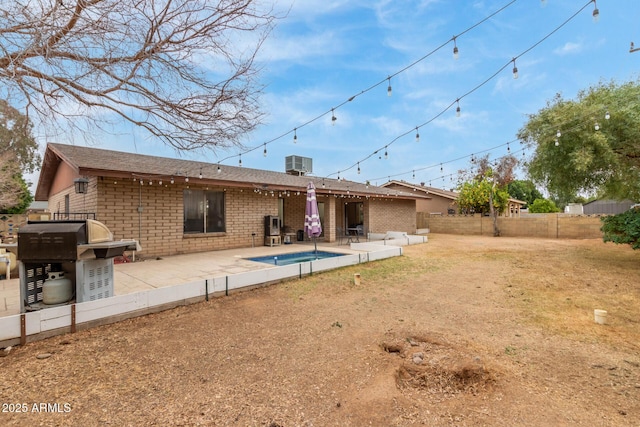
(56, 289)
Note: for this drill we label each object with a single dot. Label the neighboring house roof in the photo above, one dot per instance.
(86, 161)
(606, 206)
(435, 191)
(38, 206)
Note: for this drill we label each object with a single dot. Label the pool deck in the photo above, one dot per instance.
(178, 269)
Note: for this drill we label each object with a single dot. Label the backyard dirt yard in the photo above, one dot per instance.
(460, 331)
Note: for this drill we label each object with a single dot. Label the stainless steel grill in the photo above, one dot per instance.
(82, 251)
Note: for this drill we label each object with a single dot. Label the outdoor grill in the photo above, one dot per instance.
(65, 261)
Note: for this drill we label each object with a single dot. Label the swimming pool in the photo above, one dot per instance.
(294, 258)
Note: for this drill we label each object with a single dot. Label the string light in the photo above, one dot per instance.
(295, 135)
(333, 118)
(219, 170)
(240, 160)
(607, 116)
(160, 182)
(558, 134)
(358, 168)
(557, 142)
(515, 69)
(389, 90)
(264, 153)
(417, 135)
(508, 148)
(186, 179)
(420, 60)
(386, 154)
(414, 175)
(596, 126)
(200, 174)
(172, 180)
(596, 12)
(456, 53)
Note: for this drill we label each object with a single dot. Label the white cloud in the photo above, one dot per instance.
(569, 48)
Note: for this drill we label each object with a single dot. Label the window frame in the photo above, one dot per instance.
(198, 212)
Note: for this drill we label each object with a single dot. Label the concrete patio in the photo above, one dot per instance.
(175, 270)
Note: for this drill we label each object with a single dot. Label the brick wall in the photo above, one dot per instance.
(153, 214)
(550, 226)
(384, 215)
(159, 225)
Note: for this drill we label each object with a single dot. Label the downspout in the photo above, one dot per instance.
(140, 212)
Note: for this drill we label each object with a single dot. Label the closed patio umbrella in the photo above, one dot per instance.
(312, 225)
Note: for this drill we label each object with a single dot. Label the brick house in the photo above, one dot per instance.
(442, 202)
(176, 206)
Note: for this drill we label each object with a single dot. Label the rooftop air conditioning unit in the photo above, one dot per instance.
(297, 165)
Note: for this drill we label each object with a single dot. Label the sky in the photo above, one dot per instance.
(322, 53)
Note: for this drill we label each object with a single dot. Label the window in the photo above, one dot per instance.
(203, 211)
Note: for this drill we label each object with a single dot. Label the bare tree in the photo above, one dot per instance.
(181, 69)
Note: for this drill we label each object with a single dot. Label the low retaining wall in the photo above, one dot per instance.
(550, 226)
(26, 327)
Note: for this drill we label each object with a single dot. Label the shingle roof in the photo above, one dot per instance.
(87, 161)
(437, 191)
(424, 189)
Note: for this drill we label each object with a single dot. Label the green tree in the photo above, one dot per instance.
(18, 153)
(623, 228)
(524, 190)
(589, 144)
(484, 187)
(23, 196)
(543, 206)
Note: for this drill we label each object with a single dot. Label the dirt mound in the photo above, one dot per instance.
(429, 363)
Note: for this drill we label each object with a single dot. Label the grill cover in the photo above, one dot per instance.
(51, 240)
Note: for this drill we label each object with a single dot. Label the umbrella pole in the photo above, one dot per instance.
(315, 244)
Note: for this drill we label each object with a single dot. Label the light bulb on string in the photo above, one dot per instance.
(413, 175)
(440, 167)
(596, 12)
(295, 135)
(264, 152)
(515, 69)
(240, 160)
(417, 135)
(607, 116)
(389, 90)
(508, 148)
(333, 118)
(456, 53)
(172, 180)
(219, 170)
(358, 168)
(557, 142)
(386, 154)
(322, 182)
(160, 182)
(186, 179)
(596, 126)
(200, 174)
(558, 134)
(457, 107)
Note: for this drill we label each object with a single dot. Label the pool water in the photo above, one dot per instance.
(294, 258)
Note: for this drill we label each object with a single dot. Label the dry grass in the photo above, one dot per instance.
(461, 331)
